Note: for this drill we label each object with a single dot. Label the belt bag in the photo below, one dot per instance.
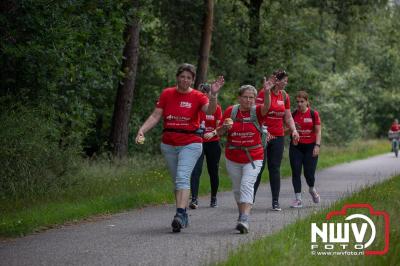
(184, 131)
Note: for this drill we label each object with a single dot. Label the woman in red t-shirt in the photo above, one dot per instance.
(212, 153)
(304, 152)
(179, 106)
(244, 151)
(278, 115)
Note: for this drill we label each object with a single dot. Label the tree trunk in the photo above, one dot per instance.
(123, 101)
(254, 39)
(205, 46)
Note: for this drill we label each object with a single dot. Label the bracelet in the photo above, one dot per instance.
(319, 145)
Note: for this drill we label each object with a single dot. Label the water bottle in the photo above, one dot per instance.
(264, 129)
(200, 131)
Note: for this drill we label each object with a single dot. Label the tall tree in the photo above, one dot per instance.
(123, 101)
(205, 45)
(254, 7)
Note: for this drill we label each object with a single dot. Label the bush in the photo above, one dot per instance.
(32, 161)
(343, 105)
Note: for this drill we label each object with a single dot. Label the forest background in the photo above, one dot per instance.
(63, 64)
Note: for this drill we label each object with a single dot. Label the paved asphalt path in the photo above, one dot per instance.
(143, 237)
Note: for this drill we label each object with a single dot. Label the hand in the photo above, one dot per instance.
(295, 137)
(210, 135)
(227, 126)
(216, 85)
(140, 137)
(270, 137)
(315, 151)
(270, 83)
(228, 123)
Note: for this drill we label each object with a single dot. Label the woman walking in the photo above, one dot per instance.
(179, 106)
(278, 115)
(212, 153)
(244, 150)
(304, 152)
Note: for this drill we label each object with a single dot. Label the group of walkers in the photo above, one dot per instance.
(255, 127)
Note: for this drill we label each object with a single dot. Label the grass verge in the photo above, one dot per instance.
(292, 245)
(105, 188)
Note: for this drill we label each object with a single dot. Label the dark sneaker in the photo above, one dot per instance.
(275, 206)
(213, 203)
(242, 227)
(194, 204)
(180, 221)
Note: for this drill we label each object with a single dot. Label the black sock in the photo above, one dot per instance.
(180, 210)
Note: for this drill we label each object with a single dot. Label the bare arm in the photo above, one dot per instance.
(317, 130)
(210, 108)
(221, 130)
(267, 85)
(290, 123)
(151, 121)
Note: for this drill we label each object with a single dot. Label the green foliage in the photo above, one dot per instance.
(343, 105)
(103, 187)
(33, 159)
(66, 55)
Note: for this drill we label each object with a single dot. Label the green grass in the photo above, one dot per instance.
(105, 188)
(332, 155)
(291, 245)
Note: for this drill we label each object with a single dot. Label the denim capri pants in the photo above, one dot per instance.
(181, 161)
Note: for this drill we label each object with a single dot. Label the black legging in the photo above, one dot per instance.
(212, 152)
(273, 157)
(301, 155)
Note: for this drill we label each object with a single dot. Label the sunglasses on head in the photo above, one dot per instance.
(281, 74)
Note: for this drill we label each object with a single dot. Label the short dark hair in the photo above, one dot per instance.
(186, 67)
(280, 74)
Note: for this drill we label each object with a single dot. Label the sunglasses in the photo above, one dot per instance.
(281, 74)
(300, 101)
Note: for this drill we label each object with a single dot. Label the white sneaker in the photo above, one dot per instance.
(296, 204)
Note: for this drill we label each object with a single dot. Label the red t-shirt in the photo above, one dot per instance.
(305, 126)
(395, 127)
(211, 122)
(243, 134)
(276, 113)
(181, 111)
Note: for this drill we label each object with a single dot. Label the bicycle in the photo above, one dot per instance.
(395, 138)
